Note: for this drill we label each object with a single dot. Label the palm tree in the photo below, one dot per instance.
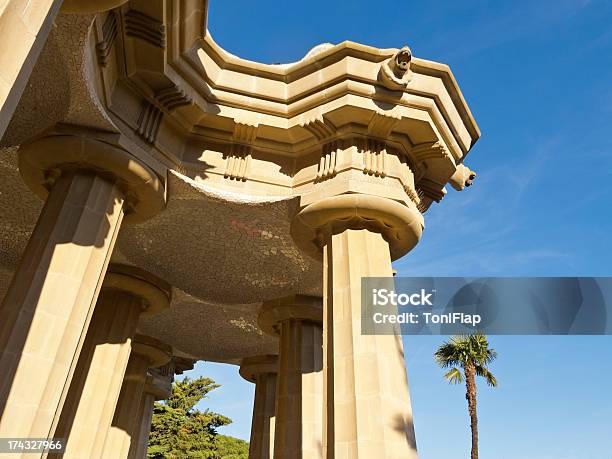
(472, 354)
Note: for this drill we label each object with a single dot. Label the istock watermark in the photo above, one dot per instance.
(384, 297)
(428, 318)
(493, 305)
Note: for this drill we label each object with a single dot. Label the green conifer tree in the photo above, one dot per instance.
(178, 430)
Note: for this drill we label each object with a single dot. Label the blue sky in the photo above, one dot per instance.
(538, 79)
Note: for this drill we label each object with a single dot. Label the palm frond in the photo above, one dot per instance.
(487, 375)
(467, 350)
(454, 376)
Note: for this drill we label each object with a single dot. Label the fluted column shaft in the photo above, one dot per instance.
(299, 430)
(368, 409)
(94, 390)
(50, 300)
(297, 320)
(89, 407)
(138, 445)
(125, 425)
(118, 439)
(85, 177)
(262, 370)
(158, 386)
(264, 420)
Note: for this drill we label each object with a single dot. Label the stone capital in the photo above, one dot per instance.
(400, 225)
(182, 364)
(158, 385)
(64, 150)
(260, 364)
(154, 292)
(293, 307)
(156, 352)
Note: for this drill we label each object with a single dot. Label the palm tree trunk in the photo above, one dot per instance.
(470, 395)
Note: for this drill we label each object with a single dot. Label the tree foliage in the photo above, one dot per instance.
(466, 351)
(232, 448)
(179, 430)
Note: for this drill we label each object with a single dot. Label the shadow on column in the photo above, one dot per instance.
(406, 427)
(59, 219)
(106, 333)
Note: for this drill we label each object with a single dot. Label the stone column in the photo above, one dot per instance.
(261, 370)
(138, 445)
(158, 386)
(299, 400)
(146, 353)
(90, 184)
(367, 404)
(24, 28)
(127, 293)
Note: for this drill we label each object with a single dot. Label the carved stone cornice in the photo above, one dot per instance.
(282, 91)
(374, 156)
(381, 124)
(109, 33)
(139, 25)
(148, 122)
(320, 127)
(429, 191)
(294, 120)
(90, 6)
(172, 97)
(245, 133)
(328, 165)
(238, 161)
(430, 150)
(379, 129)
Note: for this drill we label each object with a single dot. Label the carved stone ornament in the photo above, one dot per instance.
(463, 177)
(395, 73)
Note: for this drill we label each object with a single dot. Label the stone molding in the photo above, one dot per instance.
(144, 27)
(148, 122)
(238, 160)
(155, 292)
(173, 91)
(109, 31)
(250, 367)
(157, 352)
(168, 86)
(293, 307)
(90, 6)
(293, 85)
